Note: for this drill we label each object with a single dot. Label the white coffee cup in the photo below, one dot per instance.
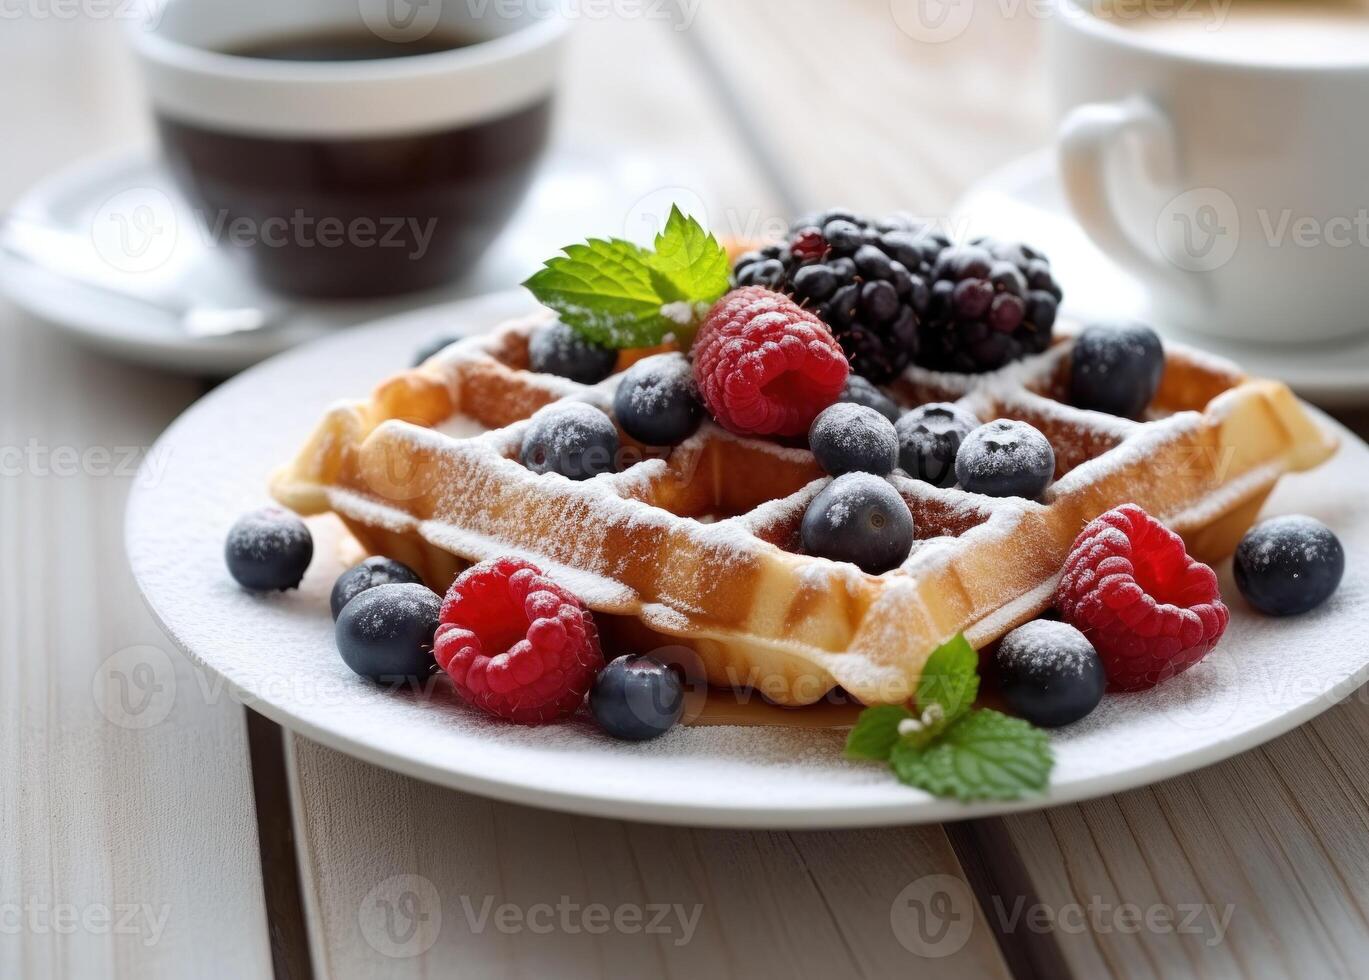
(1228, 171)
(360, 177)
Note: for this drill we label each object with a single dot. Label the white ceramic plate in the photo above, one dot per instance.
(277, 652)
(1024, 200)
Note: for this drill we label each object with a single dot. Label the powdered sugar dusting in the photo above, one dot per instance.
(1044, 644)
(1289, 540)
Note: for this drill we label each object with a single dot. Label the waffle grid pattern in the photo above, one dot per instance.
(699, 546)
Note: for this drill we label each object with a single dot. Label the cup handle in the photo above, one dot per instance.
(1089, 137)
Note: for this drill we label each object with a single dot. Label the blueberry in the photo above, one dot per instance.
(859, 391)
(657, 403)
(849, 438)
(432, 347)
(386, 633)
(370, 573)
(861, 519)
(1050, 673)
(268, 550)
(557, 349)
(1288, 565)
(929, 438)
(1005, 459)
(1115, 368)
(574, 439)
(636, 698)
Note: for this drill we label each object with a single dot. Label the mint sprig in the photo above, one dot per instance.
(950, 748)
(617, 294)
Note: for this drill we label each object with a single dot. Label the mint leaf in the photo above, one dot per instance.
(876, 732)
(605, 291)
(691, 259)
(985, 755)
(950, 678)
(615, 294)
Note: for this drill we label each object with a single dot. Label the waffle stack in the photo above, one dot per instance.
(699, 546)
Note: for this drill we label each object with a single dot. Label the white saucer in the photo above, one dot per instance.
(277, 652)
(1024, 200)
(573, 192)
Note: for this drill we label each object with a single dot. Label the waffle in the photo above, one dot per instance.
(699, 546)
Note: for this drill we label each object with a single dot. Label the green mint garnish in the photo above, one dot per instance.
(952, 749)
(876, 732)
(985, 755)
(617, 294)
(950, 679)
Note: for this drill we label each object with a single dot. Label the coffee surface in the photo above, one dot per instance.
(358, 45)
(1302, 32)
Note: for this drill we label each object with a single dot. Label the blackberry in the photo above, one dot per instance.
(869, 281)
(992, 303)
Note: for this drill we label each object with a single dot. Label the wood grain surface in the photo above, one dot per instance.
(128, 843)
(125, 787)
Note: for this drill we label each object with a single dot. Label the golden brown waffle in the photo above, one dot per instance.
(699, 546)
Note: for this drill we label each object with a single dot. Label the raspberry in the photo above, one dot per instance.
(516, 644)
(765, 366)
(1149, 609)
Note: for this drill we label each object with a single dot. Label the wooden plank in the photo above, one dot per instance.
(125, 785)
(407, 879)
(127, 833)
(1254, 867)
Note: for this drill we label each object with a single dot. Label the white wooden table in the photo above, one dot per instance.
(212, 844)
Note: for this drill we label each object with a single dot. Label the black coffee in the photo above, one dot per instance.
(346, 45)
(342, 218)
